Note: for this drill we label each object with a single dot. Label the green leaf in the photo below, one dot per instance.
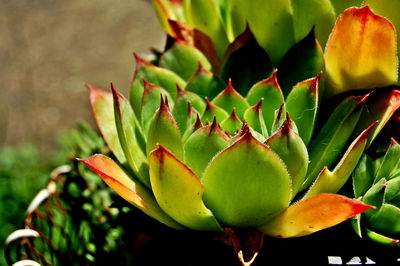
(273, 27)
(135, 193)
(192, 128)
(183, 59)
(390, 164)
(310, 13)
(232, 123)
(332, 181)
(203, 15)
(179, 191)
(382, 239)
(150, 102)
(254, 118)
(131, 137)
(103, 110)
(165, 10)
(303, 61)
(205, 83)
(164, 78)
(165, 131)
(211, 111)
(288, 145)
(380, 106)
(237, 67)
(203, 145)
(183, 108)
(386, 219)
(230, 99)
(375, 196)
(302, 105)
(280, 116)
(363, 176)
(270, 91)
(325, 148)
(246, 184)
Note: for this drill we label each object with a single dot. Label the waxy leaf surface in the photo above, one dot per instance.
(246, 184)
(313, 214)
(131, 191)
(179, 191)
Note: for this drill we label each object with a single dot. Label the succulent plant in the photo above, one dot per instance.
(236, 126)
(376, 181)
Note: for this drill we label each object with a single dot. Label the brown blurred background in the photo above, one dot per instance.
(50, 48)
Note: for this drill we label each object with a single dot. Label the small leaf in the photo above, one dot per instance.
(205, 83)
(302, 105)
(211, 111)
(232, 123)
(312, 215)
(183, 59)
(192, 128)
(230, 99)
(203, 15)
(150, 103)
(179, 191)
(390, 164)
(254, 118)
(103, 110)
(246, 184)
(164, 131)
(325, 148)
(332, 182)
(279, 119)
(164, 78)
(288, 145)
(237, 67)
(361, 52)
(382, 239)
(131, 137)
(363, 176)
(133, 192)
(184, 104)
(270, 91)
(168, 9)
(203, 145)
(194, 37)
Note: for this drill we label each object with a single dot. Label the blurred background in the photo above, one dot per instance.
(48, 51)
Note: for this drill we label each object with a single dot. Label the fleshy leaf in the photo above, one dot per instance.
(273, 27)
(151, 102)
(165, 131)
(192, 128)
(168, 9)
(181, 111)
(255, 119)
(361, 52)
(288, 145)
(183, 59)
(302, 105)
(313, 214)
(304, 60)
(194, 37)
(390, 164)
(179, 191)
(131, 137)
(246, 184)
(382, 239)
(380, 106)
(205, 83)
(279, 118)
(164, 78)
(203, 14)
(363, 176)
(327, 145)
(237, 67)
(203, 145)
(131, 191)
(103, 110)
(307, 13)
(270, 91)
(230, 99)
(332, 181)
(232, 123)
(211, 111)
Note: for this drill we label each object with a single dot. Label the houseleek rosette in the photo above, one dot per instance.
(376, 181)
(209, 140)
